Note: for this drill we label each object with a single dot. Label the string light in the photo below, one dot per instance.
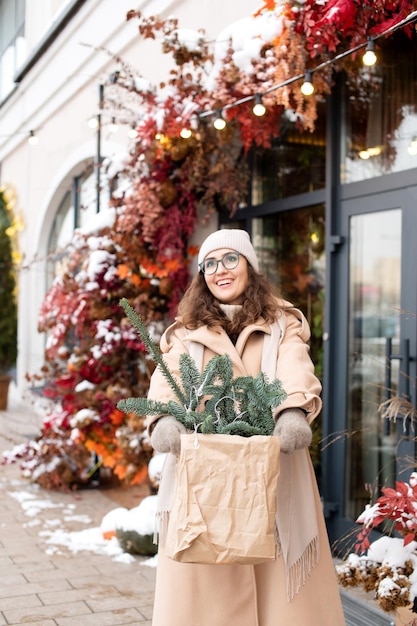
(219, 121)
(412, 17)
(132, 133)
(113, 127)
(259, 108)
(369, 58)
(186, 133)
(412, 147)
(33, 139)
(307, 88)
(369, 152)
(93, 123)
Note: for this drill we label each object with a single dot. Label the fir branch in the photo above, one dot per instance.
(213, 401)
(152, 348)
(242, 428)
(189, 376)
(143, 406)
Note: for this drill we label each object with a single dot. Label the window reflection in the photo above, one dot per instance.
(290, 248)
(374, 310)
(294, 164)
(382, 114)
(77, 206)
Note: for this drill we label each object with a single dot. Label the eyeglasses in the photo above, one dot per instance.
(230, 260)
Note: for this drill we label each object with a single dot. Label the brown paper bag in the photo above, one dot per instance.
(225, 500)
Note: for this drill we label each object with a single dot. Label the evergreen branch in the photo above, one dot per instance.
(143, 406)
(152, 348)
(240, 427)
(189, 376)
(213, 401)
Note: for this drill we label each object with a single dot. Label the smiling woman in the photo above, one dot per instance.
(230, 309)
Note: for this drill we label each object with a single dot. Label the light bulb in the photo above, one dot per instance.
(93, 123)
(259, 108)
(33, 139)
(412, 147)
(132, 133)
(307, 88)
(186, 133)
(219, 123)
(113, 127)
(369, 58)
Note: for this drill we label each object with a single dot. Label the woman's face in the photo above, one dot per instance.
(227, 286)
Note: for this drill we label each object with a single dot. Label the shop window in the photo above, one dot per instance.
(12, 42)
(294, 164)
(77, 207)
(290, 248)
(381, 114)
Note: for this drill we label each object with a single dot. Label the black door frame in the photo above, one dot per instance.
(390, 191)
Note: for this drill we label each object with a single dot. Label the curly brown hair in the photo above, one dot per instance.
(198, 307)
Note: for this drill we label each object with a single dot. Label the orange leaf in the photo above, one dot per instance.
(120, 471)
(109, 534)
(117, 417)
(140, 476)
(135, 280)
(172, 265)
(123, 270)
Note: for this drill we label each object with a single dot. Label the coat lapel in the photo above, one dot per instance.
(216, 341)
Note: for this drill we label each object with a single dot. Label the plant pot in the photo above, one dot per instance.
(404, 616)
(4, 391)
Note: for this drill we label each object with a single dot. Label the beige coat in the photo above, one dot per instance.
(247, 595)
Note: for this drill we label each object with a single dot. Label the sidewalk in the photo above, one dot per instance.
(49, 587)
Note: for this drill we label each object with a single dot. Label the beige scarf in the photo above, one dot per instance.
(296, 517)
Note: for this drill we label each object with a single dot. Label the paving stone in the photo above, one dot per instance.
(94, 594)
(17, 602)
(10, 579)
(33, 614)
(41, 622)
(25, 588)
(110, 618)
(55, 572)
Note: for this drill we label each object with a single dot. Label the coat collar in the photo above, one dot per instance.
(217, 341)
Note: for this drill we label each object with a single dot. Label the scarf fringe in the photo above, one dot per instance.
(301, 569)
(161, 528)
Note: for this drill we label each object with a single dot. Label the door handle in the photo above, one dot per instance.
(404, 377)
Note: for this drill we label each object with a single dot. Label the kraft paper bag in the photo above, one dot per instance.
(225, 500)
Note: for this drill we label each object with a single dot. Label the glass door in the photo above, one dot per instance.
(371, 354)
(373, 332)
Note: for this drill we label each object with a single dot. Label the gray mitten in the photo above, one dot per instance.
(293, 430)
(166, 433)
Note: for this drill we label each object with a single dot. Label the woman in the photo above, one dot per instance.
(229, 308)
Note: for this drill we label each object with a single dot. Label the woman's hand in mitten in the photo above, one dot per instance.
(166, 433)
(293, 430)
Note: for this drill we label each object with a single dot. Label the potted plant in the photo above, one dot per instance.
(8, 308)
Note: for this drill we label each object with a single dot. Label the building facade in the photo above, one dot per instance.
(332, 213)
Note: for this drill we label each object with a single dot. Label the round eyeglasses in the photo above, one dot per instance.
(230, 260)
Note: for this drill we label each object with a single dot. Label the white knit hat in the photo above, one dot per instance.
(232, 239)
